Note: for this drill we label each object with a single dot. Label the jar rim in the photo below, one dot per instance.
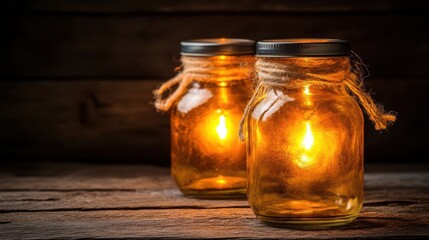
(302, 47)
(217, 47)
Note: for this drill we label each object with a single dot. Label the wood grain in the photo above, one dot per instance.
(141, 202)
(375, 223)
(83, 120)
(146, 46)
(113, 121)
(160, 193)
(190, 6)
(77, 75)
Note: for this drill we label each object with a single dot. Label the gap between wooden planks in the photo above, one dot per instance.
(100, 201)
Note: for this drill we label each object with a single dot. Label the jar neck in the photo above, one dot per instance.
(306, 69)
(217, 69)
(310, 90)
(198, 83)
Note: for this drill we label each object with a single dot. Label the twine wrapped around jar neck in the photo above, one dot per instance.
(275, 72)
(202, 69)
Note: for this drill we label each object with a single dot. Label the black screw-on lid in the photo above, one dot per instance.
(217, 46)
(310, 47)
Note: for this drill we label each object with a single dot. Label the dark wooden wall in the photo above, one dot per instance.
(76, 76)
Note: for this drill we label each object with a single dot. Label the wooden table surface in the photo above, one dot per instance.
(47, 201)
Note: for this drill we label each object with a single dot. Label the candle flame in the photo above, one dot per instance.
(221, 129)
(307, 143)
(308, 139)
(307, 90)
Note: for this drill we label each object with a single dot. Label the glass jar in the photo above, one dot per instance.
(207, 158)
(305, 136)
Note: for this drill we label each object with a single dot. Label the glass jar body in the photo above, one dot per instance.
(207, 158)
(305, 156)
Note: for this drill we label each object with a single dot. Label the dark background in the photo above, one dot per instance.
(76, 76)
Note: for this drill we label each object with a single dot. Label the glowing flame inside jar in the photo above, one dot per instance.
(307, 90)
(221, 129)
(221, 180)
(307, 144)
(215, 133)
(308, 139)
(307, 96)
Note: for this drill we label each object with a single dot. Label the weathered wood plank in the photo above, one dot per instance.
(141, 187)
(144, 46)
(373, 223)
(85, 177)
(57, 201)
(112, 121)
(82, 204)
(168, 198)
(82, 120)
(189, 6)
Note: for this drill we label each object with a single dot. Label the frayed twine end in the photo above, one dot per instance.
(385, 121)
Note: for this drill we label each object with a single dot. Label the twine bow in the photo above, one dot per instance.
(203, 69)
(274, 72)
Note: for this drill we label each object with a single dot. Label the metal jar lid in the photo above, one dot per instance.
(217, 46)
(303, 47)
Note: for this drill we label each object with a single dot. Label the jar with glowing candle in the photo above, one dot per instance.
(305, 135)
(207, 158)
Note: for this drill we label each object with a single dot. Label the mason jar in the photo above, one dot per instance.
(207, 158)
(305, 135)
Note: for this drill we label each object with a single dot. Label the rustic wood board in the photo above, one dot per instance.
(83, 120)
(142, 202)
(102, 120)
(190, 6)
(73, 45)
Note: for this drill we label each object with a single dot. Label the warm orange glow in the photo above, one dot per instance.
(307, 143)
(304, 160)
(305, 151)
(307, 95)
(307, 90)
(308, 139)
(220, 180)
(207, 158)
(306, 60)
(218, 148)
(221, 129)
(223, 84)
